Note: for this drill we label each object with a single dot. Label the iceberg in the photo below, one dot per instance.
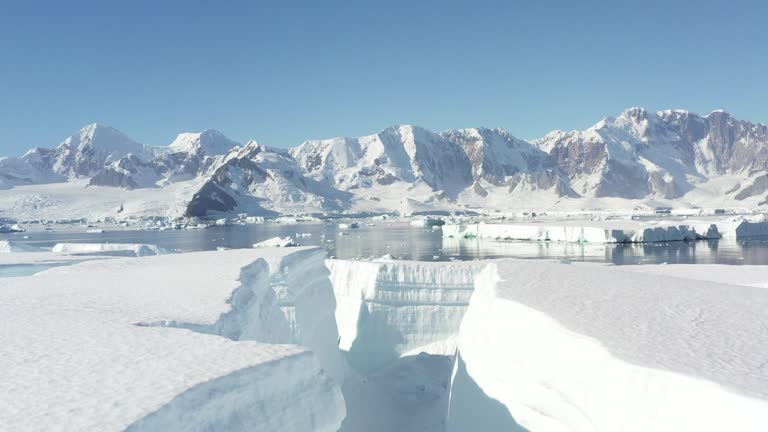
(114, 249)
(597, 233)
(744, 227)
(7, 246)
(276, 242)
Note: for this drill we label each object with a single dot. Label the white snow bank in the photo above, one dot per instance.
(119, 249)
(276, 242)
(72, 336)
(557, 347)
(386, 309)
(579, 233)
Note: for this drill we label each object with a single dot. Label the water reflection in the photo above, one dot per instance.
(403, 241)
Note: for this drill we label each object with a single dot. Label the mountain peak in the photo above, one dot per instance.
(209, 142)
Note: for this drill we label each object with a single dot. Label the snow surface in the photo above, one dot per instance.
(209, 142)
(565, 347)
(100, 345)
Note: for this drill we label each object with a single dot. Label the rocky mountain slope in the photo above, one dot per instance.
(642, 156)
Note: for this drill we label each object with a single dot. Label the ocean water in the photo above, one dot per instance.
(402, 241)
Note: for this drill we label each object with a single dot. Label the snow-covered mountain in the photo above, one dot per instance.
(86, 153)
(403, 153)
(190, 156)
(209, 142)
(79, 156)
(664, 154)
(259, 180)
(637, 158)
(500, 160)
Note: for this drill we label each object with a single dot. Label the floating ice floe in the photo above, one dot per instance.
(114, 249)
(4, 229)
(427, 222)
(744, 226)
(198, 341)
(610, 233)
(7, 246)
(276, 242)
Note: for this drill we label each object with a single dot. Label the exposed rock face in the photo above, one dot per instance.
(636, 155)
(758, 187)
(503, 160)
(397, 154)
(129, 172)
(254, 178)
(640, 153)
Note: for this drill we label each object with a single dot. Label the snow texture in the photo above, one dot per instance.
(95, 342)
(557, 347)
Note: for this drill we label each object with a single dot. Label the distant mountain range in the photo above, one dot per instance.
(639, 155)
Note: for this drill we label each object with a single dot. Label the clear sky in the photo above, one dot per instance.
(285, 71)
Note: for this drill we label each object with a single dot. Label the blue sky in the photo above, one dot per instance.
(285, 71)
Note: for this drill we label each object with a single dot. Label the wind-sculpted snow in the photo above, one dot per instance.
(96, 343)
(388, 309)
(598, 233)
(558, 347)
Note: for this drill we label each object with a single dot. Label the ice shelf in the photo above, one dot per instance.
(584, 347)
(576, 233)
(161, 343)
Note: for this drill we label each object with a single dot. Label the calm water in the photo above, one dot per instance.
(405, 242)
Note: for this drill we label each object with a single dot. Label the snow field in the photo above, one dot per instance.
(557, 347)
(96, 341)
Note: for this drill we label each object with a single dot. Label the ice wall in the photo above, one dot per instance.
(556, 347)
(387, 309)
(115, 249)
(581, 234)
(744, 227)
